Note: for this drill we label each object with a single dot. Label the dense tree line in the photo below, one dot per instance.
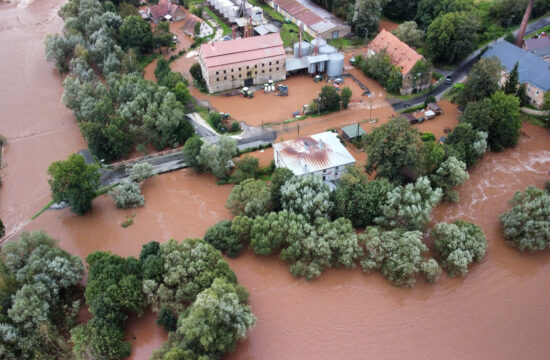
(124, 110)
(380, 68)
(39, 298)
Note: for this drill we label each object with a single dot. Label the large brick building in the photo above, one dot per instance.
(242, 62)
(404, 58)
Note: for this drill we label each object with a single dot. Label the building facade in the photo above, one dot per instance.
(320, 154)
(405, 59)
(533, 71)
(236, 63)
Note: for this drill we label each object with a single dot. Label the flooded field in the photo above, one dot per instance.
(498, 311)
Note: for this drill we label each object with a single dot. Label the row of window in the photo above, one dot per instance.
(248, 67)
(240, 75)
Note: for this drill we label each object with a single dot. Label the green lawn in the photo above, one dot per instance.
(533, 119)
(226, 29)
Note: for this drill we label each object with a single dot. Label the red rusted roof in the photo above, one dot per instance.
(401, 55)
(310, 14)
(241, 51)
(163, 8)
(309, 154)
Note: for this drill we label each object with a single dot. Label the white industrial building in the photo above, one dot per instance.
(320, 154)
(316, 57)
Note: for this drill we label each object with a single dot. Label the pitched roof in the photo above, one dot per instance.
(535, 44)
(242, 50)
(189, 25)
(401, 55)
(353, 131)
(532, 69)
(309, 154)
(163, 8)
(310, 14)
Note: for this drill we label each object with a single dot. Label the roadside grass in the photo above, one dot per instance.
(226, 29)
(545, 29)
(344, 44)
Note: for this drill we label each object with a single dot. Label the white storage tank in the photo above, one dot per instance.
(318, 42)
(218, 4)
(321, 66)
(233, 13)
(304, 48)
(227, 7)
(327, 49)
(335, 66)
(257, 14)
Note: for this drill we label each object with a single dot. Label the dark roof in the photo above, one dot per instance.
(535, 44)
(532, 69)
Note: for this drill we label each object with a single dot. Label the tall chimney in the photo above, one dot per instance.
(523, 26)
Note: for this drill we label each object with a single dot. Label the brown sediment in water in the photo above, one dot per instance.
(145, 335)
(499, 310)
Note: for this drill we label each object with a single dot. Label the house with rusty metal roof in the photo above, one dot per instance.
(404, 58)
(242, 62)
(320, 154)
(314, 19)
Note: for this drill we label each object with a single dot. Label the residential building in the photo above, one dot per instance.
(539, 46)
(320, 154)
(314, 19)
(165, 10)
(404, 58)
(242, 62)
(534, 72)
(189, 27)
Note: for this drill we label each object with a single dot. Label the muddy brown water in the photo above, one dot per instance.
(499, 310)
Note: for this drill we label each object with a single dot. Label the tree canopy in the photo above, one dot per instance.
(74, 182)
(136, 32)
(251, 198)
(482, 80)
(307, 195)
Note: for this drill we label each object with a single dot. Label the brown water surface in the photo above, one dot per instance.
(498, 311)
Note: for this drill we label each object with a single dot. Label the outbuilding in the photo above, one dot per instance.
(352, 132)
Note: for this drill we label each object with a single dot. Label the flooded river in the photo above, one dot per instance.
(499, 310)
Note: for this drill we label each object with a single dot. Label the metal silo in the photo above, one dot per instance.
(321, 41)
(304, 48)
(335, 66)
(327, 49)
(321, 66)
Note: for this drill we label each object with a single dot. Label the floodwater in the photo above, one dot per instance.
(499, 310)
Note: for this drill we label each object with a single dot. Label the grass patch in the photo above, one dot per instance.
(412, 109)
(226, 29)
(146, 59)
(344, 44)
(533, 119)
(436, 75)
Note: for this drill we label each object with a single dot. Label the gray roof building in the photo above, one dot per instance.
(532, 69)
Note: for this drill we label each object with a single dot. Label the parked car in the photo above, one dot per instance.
(448, 80)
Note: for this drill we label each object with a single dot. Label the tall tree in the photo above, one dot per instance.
(364, 17)
(505, 129)
(512, 81)
(482, 80)
(452, 36)
(136, 32)
(74, 182)
(400, 9)
(409, 34)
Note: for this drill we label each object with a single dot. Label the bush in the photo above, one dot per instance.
(307, 195)
(526, 224)
(191, 152)
(457, 245)
(235, 126)
(427, 137)
(127, 195)
(251, 198)
(279, 178)
(223, 238)
(140, 171)
(245, 168)
(167, 319)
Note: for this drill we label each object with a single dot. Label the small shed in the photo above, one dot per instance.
(410, 118)
(354, 131)
(435, 108)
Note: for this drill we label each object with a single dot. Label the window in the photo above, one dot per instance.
(239, 69)
(537, 92)
(263, 71)
(224, 71)
(270, 63)
(225, 77)
(325, 171)
(247, 67)
(232, 70)
(263, 64)
(256, 66)
(277, 62)
(217, 79)
(277, 69)
(217, 72)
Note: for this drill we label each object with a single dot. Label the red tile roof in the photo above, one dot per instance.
(242, 50)
(163, 8)
(401, 55)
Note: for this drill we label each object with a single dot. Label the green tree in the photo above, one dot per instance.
(432, 155)
(182, 93)
(345, 96)
(505, 129)
(409, 207)
(74, 182)
(189, 268)
(127, 195)
(278, 179)
(428, 10)
(136, 32)
(393, 150)
(197, 29)
(457, 245)
(479, 114)
(196, 73)
(525, 226)
(400, 9)
(167, 319)
(217, 319)
(162, 69)
(364, 17)
(222, 237)
(107, 141)
(217, 158)
(140, 171)
(466, 144)
(452, 36)
(482, 81)
(307, 195)
(245, 168)
(358, 199)
(191, 152)
(451, 173)
(251, 198)
(409, 34)
(329, 99)
(512, 81)
(272, 231)
(398, 255)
